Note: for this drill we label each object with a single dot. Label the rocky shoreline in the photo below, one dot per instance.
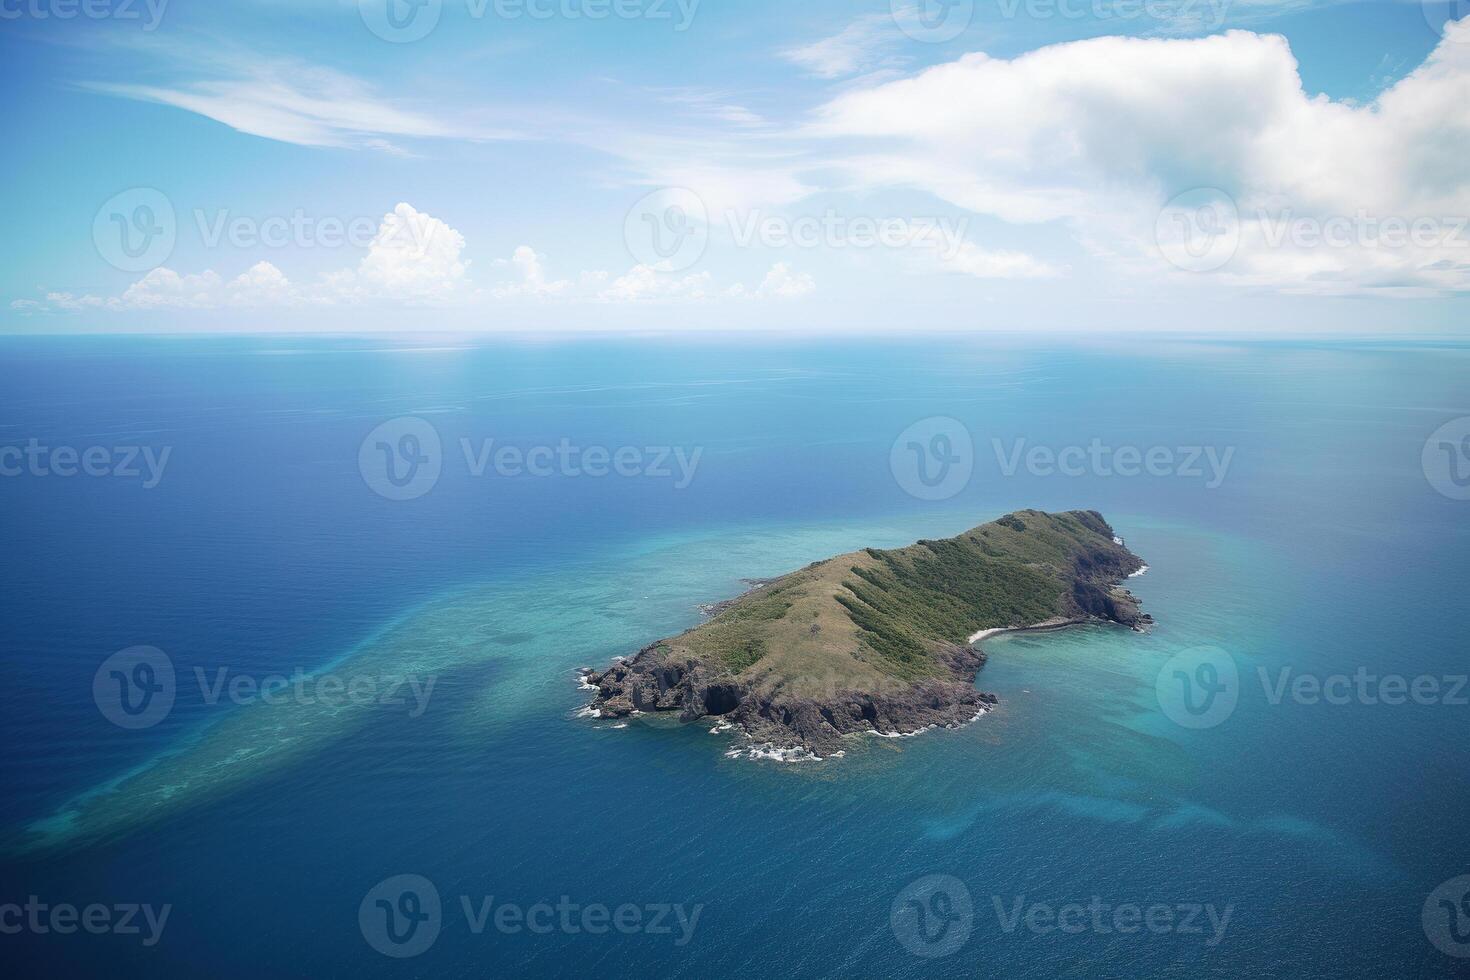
(651, 682)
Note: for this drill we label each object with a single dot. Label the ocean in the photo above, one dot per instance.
(372, 567)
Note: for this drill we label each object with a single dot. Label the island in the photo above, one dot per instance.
(878, 642)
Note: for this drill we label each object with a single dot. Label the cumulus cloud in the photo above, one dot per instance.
(647, 282)
(643, 283)
(260, 285)
(531, 277)
(1102, 133)
(781, 282)
(413, 258)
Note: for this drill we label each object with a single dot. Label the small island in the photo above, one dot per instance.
(877, 642)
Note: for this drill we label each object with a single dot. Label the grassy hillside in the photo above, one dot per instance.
(873, 616)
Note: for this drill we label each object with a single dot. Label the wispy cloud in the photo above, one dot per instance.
(302, 104)
(861, 46)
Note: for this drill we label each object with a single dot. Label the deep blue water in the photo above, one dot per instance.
(1322, 828)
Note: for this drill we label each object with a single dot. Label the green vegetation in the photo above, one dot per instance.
(738, 637)
(875, 615)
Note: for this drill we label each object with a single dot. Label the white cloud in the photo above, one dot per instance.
(532, 281)
(163, 288)
(781, 282)
(299, 103)
(643, 283)
(972, 260)
(1101, 133)
(856, 48)
(646, 282)
(414, 258)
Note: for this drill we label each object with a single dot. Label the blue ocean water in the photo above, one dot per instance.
(1320, 829)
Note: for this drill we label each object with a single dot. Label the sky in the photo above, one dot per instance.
(1278, 167)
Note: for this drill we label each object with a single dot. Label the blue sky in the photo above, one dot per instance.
(1276, 166)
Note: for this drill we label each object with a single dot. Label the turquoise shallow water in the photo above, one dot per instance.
(1321, 828)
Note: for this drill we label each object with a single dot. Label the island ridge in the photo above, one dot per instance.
(876, 641)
